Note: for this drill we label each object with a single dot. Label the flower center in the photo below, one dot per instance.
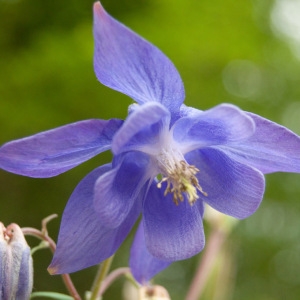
(179, 175)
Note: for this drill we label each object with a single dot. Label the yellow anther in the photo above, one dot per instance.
(181, 180)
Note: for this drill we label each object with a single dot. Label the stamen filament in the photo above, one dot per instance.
(181, 180)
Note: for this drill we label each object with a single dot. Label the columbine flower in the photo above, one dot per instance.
(16, 271)
(169, 159)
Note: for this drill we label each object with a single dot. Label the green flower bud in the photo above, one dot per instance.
(15, 264)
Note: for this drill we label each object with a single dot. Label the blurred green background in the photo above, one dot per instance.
(241, 52)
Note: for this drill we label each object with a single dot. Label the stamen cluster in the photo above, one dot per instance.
(180, 179)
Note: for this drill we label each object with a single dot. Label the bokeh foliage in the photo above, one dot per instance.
(226, 51)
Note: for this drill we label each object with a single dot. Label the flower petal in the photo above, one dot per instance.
(25, 276)
(222, 124)
(143, 265)
(141, 128)
(129, 64)
(188, 111)
(52, 152)
(3, 255)
(171, 232)
(233, 188)
(116, 191)
(83, 239)
(272, 148)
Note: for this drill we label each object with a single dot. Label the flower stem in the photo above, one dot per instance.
(102, 272)
(112, 277)
(43, 235)
(66, 277)
(212, 248)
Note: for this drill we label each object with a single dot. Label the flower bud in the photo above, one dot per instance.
(3, 245)
(15, 264)
(155, 292)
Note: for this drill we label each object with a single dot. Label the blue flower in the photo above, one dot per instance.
(169, 159)
(16, 269)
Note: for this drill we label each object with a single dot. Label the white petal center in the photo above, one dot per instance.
(180, 176)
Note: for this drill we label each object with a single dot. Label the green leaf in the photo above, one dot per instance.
(51, 295)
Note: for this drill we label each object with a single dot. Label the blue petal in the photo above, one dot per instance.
(25, 276)
(53, 152)
(188, 111)
(143, 265)
(83, 239)
(116, 190)
(141, 130)
(171, 232)
(129, 64)
(272, 148)
(222, 124)
(233, 188)
(3, 249)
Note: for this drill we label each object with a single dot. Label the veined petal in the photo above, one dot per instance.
(53, 152)
(220, 125)
(143, 265)
(25, 276)
(171, 232)
(142, 128)
(116, 190)
(272, 148)
(83, 239)
(126, 62)
(3, 255)
(232, 188)
(18, 279)
(188, 111)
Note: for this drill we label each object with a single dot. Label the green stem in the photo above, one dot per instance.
(102, 272)
(205, 267)
(44, 237)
